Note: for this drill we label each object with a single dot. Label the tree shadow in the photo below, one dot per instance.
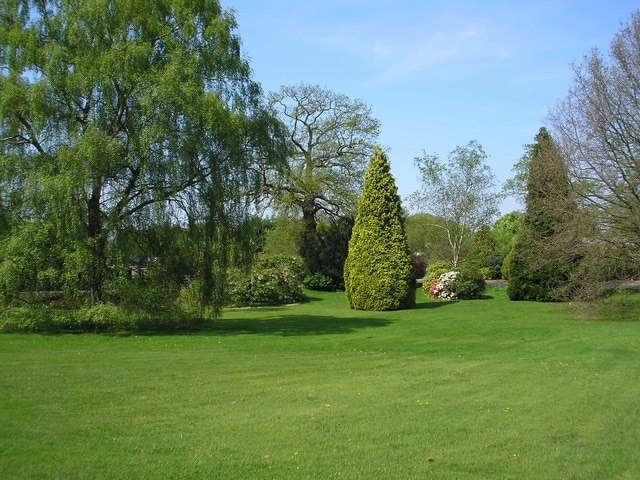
(431, 304)
(295, 325)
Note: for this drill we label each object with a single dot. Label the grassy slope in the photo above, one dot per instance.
(487, 389)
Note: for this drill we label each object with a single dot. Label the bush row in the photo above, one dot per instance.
(99, 318)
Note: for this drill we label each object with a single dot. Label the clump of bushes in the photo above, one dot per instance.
(462, 284)
(434, 270)
(98, 318)
(273, 280)
(319, 281)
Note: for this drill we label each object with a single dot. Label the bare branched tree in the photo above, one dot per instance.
(598, 128)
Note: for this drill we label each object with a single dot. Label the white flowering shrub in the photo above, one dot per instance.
(465, 284)
(442, 287)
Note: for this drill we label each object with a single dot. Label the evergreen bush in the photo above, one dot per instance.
(469, 284)
(378, 273)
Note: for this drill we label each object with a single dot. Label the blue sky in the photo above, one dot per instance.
(437, 74)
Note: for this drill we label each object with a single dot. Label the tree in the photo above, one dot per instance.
(116, 113)
(598, 129)
(331, 138)
(516, 186)
(484, 255)
(459, 194)
(425, 238)
(544, 253)
(378, 273)
(505, 231)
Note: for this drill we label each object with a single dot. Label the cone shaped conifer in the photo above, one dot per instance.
(378, 274)
(544, 252)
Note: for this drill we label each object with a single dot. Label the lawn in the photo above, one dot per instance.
(483, 389)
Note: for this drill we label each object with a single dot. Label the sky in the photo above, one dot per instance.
(436, 74)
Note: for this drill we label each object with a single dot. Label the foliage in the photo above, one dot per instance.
(484, 255)
(331, 139)
(272, 280)
(434, 270)
(147, 291)
(464, 284)
(493, 265)
(318, 281)
(598, 126)
(545, 250)
(378, 273)
(469, 284)
(330, 247)
(460, 194)
(121, 115)
(283, 236)
(97, 318)
(425, 237)
(505, 231)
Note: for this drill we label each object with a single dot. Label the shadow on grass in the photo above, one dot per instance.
(293, 325)
(431, 304)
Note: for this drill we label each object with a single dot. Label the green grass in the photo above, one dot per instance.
(486, 389)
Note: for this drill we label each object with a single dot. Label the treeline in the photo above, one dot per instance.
(144, 174)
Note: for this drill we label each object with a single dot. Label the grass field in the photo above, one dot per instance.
(486, 389)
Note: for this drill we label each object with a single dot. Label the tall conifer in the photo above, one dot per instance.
(378, 274)
(544, 252)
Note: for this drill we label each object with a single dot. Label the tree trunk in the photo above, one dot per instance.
(308, 235)
(97, 246)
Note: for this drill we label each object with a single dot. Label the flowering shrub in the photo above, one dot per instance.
(464, 284)
(441, 288)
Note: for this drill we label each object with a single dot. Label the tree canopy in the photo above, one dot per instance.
(331, 138)
(123, 112)
(544, 252)
(459, 194)
(598, 129)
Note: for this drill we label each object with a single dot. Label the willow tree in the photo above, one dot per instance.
(378, 273)
(113, 111)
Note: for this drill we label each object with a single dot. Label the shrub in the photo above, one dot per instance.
(433, 272)
(468, 284)
(147, 292)
(464, 284)
(494, 265)
(441, 287)
(98, 318)
(318, 281)
(273, 280)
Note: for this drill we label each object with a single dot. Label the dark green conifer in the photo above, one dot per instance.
(378, 273)
(544, 252)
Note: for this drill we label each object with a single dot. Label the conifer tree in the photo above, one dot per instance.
(378, 274)
(544, 252)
